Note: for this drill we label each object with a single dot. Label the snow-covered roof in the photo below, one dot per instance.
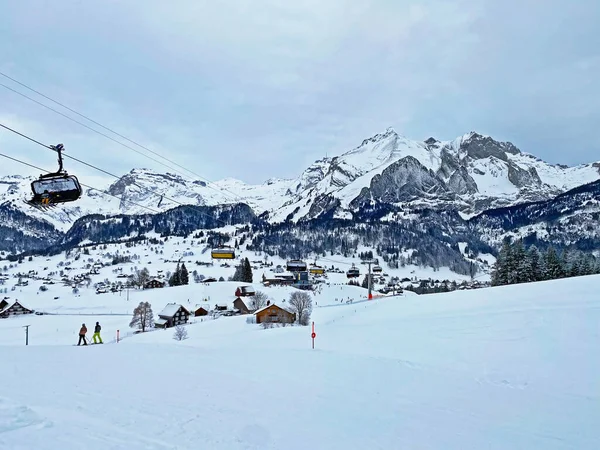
(285, 308)
(170, 310)
(156, 279)
(160, 321)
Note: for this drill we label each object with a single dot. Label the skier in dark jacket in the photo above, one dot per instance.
(97, 329)
(82, 332)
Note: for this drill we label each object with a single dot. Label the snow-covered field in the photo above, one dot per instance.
(503, 368)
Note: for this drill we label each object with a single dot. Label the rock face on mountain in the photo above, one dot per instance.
(403, 181)
(387, 175)
(473, 172)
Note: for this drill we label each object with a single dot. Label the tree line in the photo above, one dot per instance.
(517, 264)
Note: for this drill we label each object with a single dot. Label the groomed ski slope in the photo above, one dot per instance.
(503, 368)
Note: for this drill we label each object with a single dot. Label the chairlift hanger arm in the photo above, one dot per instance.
(59, 148)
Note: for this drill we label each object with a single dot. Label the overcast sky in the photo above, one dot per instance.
(254, 89)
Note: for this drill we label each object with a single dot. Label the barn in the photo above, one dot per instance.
(201, 310)
(16, 309)
(172, 315)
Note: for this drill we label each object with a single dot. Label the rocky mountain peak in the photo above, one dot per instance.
(478, 146)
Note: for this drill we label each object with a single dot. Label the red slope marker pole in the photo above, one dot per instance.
(313, 335)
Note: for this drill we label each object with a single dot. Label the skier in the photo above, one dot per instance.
(82, 332)
(97, 329)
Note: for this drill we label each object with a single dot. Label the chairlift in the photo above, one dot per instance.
(222, 251)
(377, 269)
(353, 272)
(316, 270)
(57, 187)
(296, 265)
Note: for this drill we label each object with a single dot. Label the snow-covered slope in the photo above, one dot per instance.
(514, 368)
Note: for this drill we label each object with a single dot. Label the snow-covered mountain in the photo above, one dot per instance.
(386, 178)
(143, 191)
(471, 173)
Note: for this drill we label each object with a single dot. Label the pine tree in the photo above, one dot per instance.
(175, 279)
(587, 265)
(184, 277)
(565, 263)
(500, 272)
(247, 271)
(365, 281)
(575, 265)
(553, 267)
(533, 261)
(238, 274)
(520, 263)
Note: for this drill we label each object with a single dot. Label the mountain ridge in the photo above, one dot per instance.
(386, 176)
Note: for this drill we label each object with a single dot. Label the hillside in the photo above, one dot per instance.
(51, 280)
(412, 202)
(513, 368)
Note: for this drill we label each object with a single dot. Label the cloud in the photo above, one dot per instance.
(259, 89)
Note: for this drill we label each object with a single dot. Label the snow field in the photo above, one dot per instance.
(510, 367)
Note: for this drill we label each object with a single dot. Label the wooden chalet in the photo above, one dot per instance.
(241, 306)
(172, 315)
(3, 304)
(16, 309)
(275, 314)
(154, 284)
